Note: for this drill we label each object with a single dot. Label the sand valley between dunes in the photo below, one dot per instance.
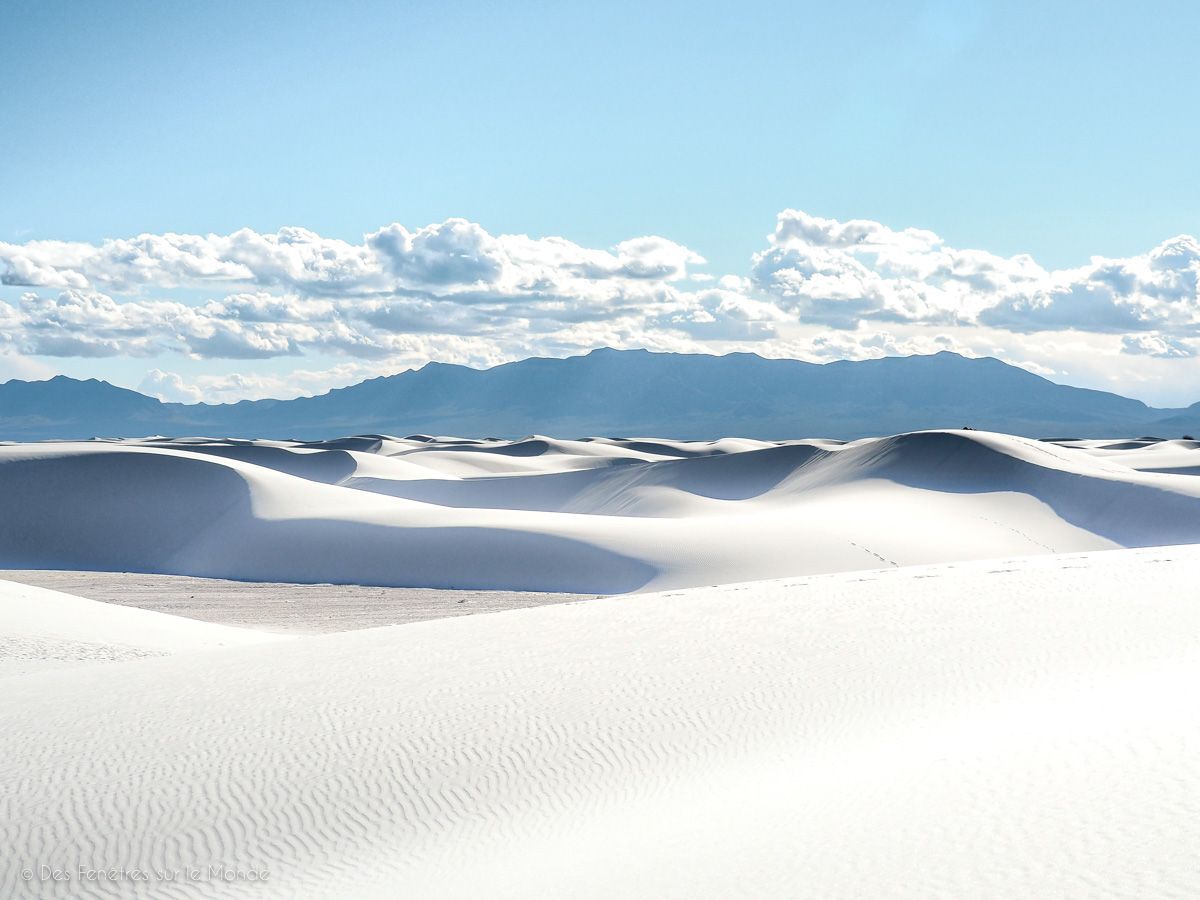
(282, 608)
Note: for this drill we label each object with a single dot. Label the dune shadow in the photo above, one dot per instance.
(109, 511)
(160, 514)
(732, 476)
(1132, 515)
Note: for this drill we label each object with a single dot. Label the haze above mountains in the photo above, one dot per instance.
(620, 392)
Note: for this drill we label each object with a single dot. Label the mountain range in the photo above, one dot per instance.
(619, 393)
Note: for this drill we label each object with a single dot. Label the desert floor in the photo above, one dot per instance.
(957, 665)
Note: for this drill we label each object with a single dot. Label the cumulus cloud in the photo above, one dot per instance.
(229, 387)
(455, 252)
(248, 326)
(820, 289)
(448, 259)
(720, 314)
(1158, 345)
(234, 386)
(867, 344)
(170, 387)
(845, 273)
(90, 324)
(1160, 289)
(814, 270)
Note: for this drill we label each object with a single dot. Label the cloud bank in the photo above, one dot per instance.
(819, 288)
(844, 273)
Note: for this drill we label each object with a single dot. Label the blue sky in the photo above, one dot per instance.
(1063, 131)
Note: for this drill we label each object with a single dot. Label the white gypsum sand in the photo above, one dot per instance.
(1025, 728)
(588, 516)
(41, 629)
(281, 608)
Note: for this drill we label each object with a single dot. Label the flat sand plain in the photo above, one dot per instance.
(278, 607)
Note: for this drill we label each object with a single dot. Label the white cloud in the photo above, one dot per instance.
(455, 252)
(234, 386)
(13, 365)
(844, 273)
(449, 259)
(1160, 289)
(727, 315)
(1158, 345)
(815, 270)
(86, 323)
(865, 344)
(170, 387)
(821, 289)
(91, 324)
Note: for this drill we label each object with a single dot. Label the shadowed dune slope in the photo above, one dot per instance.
(592, 516)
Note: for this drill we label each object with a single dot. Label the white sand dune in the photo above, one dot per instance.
(985, 730)
(591, 516)
(42, 629)
(1148, 455)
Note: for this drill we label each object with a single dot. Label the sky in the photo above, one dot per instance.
(226, 200)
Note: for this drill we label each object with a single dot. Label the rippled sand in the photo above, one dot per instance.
(1024, 728)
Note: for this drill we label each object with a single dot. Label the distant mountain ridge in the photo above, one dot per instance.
(619, 393)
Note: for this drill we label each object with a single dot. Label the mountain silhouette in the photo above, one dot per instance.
(619, 393)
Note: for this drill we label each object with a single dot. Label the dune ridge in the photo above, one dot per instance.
(586, 516)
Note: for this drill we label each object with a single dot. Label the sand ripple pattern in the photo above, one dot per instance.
(1018, 729)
